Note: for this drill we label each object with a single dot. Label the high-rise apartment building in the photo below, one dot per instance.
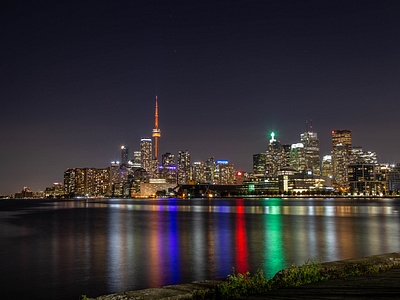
(199, 172)
(224, 173)
(146, 154)
(183, 165)
(342, 137)
(87, 181)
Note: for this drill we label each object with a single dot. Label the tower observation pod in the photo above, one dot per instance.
(156, 132)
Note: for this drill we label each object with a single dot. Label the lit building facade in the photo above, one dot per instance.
(146, 154)
(311, 152)
(342, 137)
(168, 168)
(124, 155)
(339, 166)
(87, 181)
(224, 173)
(183, 167)
(274, 156)
(259, 161)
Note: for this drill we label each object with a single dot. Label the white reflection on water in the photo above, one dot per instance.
(273, 210)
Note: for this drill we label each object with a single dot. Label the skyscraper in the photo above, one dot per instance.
(274, 157)
(342, 137)
(183, 166)
(124, 155)
(311, 148)
(146, 154)
(156, 132)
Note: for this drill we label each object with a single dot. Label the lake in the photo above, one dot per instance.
(61, 249)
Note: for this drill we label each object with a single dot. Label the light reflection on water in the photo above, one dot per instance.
(94, 247)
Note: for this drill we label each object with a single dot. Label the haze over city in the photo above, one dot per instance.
(79, 79)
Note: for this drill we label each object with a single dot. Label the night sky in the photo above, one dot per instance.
(79, 79)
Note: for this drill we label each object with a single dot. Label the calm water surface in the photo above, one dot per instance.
(63, 249)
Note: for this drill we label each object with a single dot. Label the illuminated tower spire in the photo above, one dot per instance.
(156, 132)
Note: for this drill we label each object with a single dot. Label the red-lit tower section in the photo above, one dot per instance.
(156, 132)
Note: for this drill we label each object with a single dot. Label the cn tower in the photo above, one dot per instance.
(156, 133)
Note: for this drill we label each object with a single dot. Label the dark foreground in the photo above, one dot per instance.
(382, 285)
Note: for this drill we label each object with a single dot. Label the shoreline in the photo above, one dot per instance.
(185, 291)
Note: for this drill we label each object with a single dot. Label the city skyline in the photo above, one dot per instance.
(79, 80)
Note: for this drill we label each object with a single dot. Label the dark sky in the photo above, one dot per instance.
(79, 79)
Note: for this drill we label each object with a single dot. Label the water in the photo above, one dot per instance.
(52, 249)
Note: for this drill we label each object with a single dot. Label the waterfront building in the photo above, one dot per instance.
(394, 179)
(362, 180)
(224, 173)
(183, 167)
(25, 193)
(156, 186)
(87, 181)
(56, 191)
(342, 137)
(146, 154)
(124, 155)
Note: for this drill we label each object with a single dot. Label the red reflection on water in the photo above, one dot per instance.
(241, 248)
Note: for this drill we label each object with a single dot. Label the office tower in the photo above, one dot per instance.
(156, 133)
(146, 154)
(183, 165)
(137, 161)
(259, 161)
(342, 137)
(274, 156)
(339, 166)
(311, 148)
(124, 155)
(298, 157)
(224, 173)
